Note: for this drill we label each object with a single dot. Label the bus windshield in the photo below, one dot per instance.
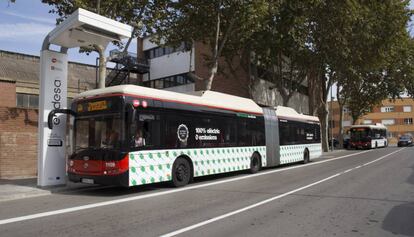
(98, 132)
(359, 134)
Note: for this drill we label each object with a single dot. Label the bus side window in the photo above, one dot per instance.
(284, 133)
(148, 130)
(246, 132)
(228, 132)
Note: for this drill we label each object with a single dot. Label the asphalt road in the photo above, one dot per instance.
(364, 194)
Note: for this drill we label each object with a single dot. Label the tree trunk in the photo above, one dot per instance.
(341, 102)
(212, 73)
(341, 127)
(323, 112)
(354, 119)
(312, 98)
(102, 65)
(323, 118)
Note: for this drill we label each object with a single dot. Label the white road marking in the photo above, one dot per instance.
(206, 222)
(122, 200)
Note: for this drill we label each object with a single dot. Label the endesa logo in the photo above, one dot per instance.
(56, 99)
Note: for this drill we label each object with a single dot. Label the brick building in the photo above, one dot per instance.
(19, 98)
(169, 68)
(396, 115)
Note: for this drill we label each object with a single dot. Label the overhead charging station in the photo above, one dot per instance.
(81, 29)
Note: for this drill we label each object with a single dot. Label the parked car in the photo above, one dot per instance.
(405, 140)
(335, 142)
(346, 143)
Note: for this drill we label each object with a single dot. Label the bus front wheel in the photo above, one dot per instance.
(181, 172)
(255, 164)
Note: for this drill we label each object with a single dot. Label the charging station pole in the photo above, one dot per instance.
(81, 29)
(53, 95)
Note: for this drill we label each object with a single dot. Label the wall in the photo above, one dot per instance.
(18, 142)
(8, 93)
(236, 83)
(263, 95)
(19, 73)
(168, 65)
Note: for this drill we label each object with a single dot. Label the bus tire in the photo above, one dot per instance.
(181, 172)
(255, 163)
(306, 156)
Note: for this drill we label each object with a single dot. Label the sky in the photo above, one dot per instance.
(24, 25)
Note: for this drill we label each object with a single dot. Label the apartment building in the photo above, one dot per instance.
(169, 69)
(397, 115)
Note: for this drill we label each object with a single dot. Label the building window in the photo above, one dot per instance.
(386, 109)
(392, 134)
(408, 121)
(31, 101)
(407, 108)
(367, 121)
(161, 51)
(388, 121)
(346, 110)
(27, 101)
(166, 82)
(346, 123)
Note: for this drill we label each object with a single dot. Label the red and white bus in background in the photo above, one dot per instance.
(130, 135)
(368, 136)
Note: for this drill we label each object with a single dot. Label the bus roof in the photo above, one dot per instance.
(205, 98)
(290, 113)
(378, 125)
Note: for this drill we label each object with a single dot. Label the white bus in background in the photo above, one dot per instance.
(368, 136)
(130, 135)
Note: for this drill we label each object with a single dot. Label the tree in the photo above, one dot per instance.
(280, 46)
(351, 40)
(214, 23)
(130, 12)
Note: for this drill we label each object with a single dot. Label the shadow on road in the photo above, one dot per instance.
(113, 191)
(400, 220)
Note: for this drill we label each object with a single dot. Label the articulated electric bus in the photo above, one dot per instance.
(130, 135)
(368, 136)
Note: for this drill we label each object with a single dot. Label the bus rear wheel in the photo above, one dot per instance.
(255, 164)
(181, 172)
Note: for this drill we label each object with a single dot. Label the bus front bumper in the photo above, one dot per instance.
(116, 180)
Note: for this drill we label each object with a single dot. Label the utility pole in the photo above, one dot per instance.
(332, 121)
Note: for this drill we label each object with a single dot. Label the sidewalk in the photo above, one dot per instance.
(335, 152)
(11, 189)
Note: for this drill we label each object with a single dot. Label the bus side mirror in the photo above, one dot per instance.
(57, 111)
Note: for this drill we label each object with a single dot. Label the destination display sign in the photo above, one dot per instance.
(107, 104)
(98, 105)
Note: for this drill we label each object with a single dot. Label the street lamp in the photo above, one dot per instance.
(81, 29)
